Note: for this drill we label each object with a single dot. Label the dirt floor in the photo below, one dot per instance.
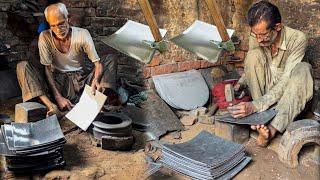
(87, 161)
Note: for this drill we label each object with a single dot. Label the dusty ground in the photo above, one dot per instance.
(87, 161)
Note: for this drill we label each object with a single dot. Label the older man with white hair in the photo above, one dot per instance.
(62, 49)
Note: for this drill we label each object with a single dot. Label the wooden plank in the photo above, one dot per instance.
(217, 18)
(148, 14)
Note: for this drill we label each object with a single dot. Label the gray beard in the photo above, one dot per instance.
(272, 40)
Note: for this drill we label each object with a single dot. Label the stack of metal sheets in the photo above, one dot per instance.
(205, 157)
(30, 147)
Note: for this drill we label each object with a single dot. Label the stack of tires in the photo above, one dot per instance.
(113, 130)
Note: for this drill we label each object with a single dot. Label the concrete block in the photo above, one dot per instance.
(232, 132)
(298, 134)
(29, 112)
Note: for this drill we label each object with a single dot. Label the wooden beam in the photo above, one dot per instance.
(217, 18)
(148, 14)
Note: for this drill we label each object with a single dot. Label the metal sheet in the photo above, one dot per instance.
(184, 90)
(85, 111)
(199, 39)
(202, 169)
(37, 133)
(137, 115)
(160, 117)
(253, 119)
(131, 40)
(227, 175)
(236, 170)
(206, 149)
(226, 168)
(4, 150)
(153, 168)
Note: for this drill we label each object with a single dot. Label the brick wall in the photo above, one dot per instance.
(104, 17)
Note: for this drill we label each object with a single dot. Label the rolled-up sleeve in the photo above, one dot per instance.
(89, 48)
(297, 52)
(44, 50)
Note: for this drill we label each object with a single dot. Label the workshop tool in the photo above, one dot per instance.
(229, 93)
(214, 9)
(159, 43)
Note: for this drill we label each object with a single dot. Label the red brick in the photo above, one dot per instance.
(240, 54)
(90, 12)
(108, 22)
(77, 3)
(206, 64)
(154, 62)
(164, 69)
(178, 58)
(146, 72)
(188, 65)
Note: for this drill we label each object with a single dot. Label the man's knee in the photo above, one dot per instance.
(301, 70)
(254, 58)
(22, 65)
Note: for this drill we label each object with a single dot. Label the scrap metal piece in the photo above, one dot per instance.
(199, 38)
(131, 40)
(181, 90)
(253, 119)
(139, 122)
(160, 117)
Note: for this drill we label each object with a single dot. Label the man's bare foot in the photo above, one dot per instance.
(264, 135)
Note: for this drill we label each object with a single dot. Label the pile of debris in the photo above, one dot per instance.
(32, 147)
(205, 157)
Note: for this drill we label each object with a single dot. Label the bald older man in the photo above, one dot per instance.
(62, 49)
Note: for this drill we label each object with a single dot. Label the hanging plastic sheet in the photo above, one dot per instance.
(135, 40)
(202, 39)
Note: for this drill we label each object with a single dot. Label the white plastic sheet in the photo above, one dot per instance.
(201, 39)
(131, 40)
